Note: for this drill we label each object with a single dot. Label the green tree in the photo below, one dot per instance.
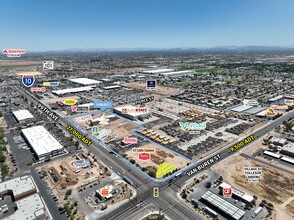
(4, 170)
(208, 184)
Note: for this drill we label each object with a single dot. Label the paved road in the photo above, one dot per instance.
(168, 201)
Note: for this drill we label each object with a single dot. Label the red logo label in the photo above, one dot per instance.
(227, 192)
(128, 140)
(38, 89)
(104, 192)
(144, 156)
(73, 108)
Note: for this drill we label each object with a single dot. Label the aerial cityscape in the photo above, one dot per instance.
(137, 116)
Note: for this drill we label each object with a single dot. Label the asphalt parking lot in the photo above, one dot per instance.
(21, 156)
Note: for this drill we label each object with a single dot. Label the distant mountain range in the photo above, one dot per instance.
(191, 49)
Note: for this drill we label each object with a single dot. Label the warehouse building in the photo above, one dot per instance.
(241, 108)
(288, 149)
(85, 81)
(278, 141)
(22, 115)
(111, 87)
(72, 90)
(157, 71)
(237, 193)
(227, 208)
(178, 73)
(25, 201)
(41, 142)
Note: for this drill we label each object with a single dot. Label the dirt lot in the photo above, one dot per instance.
(3, 123)
(290, 208)
(65, 172)
(158, 157)
(160, 89)
(35, 73)
(274, 186)
(18, 62)
(119, 126)
(49, 101)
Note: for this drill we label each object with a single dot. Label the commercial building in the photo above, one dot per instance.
(178, 73)
(41, 141)
(111, 191)
(288, 149)
(27, 204)
(237, 193)
(85, 81)
(271, 154)
(241, 108)
(229, 209)
(131, 112)
(73, 90)
(22, 115)
(111, 87)
(278, 141)
(157, 71)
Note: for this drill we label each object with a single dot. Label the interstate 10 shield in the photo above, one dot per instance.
(28, 80)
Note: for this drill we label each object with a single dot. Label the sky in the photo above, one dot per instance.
(39, 25)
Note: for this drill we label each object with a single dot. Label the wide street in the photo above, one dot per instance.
(144, 202)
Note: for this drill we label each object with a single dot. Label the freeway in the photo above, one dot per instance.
(144, 202)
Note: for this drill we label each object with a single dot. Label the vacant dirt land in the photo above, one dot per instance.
(118, 126)
(274, 186)
(18, 62)
(158, 157)
(160, 89)
(49, 101)
(3, 123)
(34, 73)
(290, 208)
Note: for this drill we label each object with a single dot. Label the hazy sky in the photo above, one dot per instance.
(63, 24)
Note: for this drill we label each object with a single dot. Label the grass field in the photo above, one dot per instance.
(185, 83)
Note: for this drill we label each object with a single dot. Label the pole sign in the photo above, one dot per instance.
(28, 80)
(48, 65)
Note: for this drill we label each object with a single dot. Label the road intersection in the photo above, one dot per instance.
(143, 203)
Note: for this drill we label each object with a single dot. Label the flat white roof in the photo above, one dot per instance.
(19, 185)
(276, 98)
(158, 71)
(84, 81)
(178, 73)
(29, 208)
(105, 80)
(71, 90)
(111, 190)
(41, 140)
(22, 115)
(241, 108)
(271, 154)
(287, 159)
(111, 87)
